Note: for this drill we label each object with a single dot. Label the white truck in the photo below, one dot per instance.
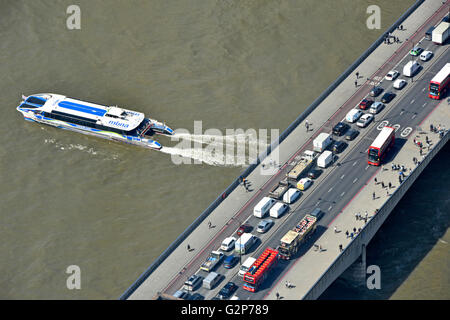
(325, 159)
(322, 141)
(244, 243)
(307, 160)
(212, 261)
(441, 33)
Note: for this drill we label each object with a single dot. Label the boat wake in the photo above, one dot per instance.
(70, 146)
(236, 150)
(198, 156)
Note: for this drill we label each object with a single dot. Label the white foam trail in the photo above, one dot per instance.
(222, 140)
(206, 157)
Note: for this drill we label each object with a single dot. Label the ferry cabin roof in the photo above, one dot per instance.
(113, 117)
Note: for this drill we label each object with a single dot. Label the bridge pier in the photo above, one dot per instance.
(355, 275)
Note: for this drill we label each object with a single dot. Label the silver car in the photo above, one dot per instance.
(376, 107)
(365, 120)
(264, 225)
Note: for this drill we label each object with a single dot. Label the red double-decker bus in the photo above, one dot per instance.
(259, 269)
(439, 83)
(382, 143)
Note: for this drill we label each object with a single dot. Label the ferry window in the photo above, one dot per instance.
(35, 100)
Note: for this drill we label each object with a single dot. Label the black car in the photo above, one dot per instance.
(314, 173)
(340, 128)
(387, 97)
(376, 91)
(197, 296)
(317, 213)
(351, 134)
(339, 146)
(227, 290)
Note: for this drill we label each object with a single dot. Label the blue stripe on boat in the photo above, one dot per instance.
(82, 108)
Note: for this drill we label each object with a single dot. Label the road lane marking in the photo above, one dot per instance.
(343, 176)
(342, 194)
(414, 115)
(412, 101)
(367, 167)
(354, 163)
(330, 189)
(424, 89)
(356, 179)
(424, 105)
(330, 208)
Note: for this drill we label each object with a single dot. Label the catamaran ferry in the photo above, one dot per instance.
(112, 123)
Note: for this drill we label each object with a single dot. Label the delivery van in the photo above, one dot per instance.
(278, 210)
(263, 206)
(211, 280)
(353, 115)
(244, 243)
(246, 265)
(291, 195)
(325, 159)
(411, 68)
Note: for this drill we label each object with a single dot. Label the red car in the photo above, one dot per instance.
(365, 104)
(243, 229)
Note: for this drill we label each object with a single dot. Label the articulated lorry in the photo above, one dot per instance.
(212, 261)
(307, 160)
(291, 241)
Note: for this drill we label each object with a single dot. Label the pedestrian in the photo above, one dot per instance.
(373, 196)
(431, 127)
(421, 151)
(346, 233)
(376, 181)
(287, 285)
(335, 229)
(351, 235)
(188, 247)
(365, 217)
(387, 193)
(382, 184)
(209, 224)
(356, 216)
(357, 75)
(354, 230)
(365, 214)
(277, 295)
(340, 248)
(400, 179)
(356, 83)
(390, 185)
(393, 167)
(415, 142)
(359, 230)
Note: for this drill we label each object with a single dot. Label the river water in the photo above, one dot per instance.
(111, 209)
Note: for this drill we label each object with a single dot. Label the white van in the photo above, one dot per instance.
(291, 195)
(353, 115)
(244, 243)
(263, 207)
(325, 159)
(211, 280)
(411, 68)
(278, 209)
(246, 265)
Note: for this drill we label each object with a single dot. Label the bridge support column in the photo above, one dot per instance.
(355, 275)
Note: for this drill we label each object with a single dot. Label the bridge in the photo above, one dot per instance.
(347, 187)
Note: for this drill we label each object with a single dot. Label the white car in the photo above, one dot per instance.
(228, 244)
(426, 55)
(353, 115)
(392, 75)
(399, 84)
(304, 184)
(291, 195)
(365, 120)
